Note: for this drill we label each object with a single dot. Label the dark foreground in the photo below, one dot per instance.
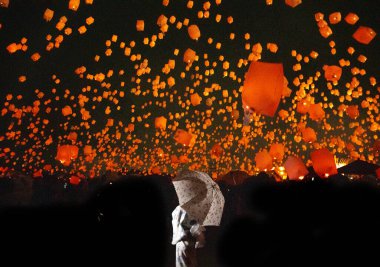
(128, 223)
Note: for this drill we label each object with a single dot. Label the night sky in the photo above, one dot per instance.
(30, 143)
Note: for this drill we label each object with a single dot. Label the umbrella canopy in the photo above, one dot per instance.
(234, 177)
(359, 167)
(200, 197)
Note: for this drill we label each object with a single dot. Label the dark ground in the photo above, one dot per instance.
(264, 224)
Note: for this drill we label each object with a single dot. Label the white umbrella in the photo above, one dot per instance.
(200, 197)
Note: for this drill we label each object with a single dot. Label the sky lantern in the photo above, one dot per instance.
(74, 180)
(48, 15)
(160, 123)
(140, 25)
(295, 168)
(263, 87)
(293, 3)
(364, 35)
(74, 5)
(335, 17)
(264, 161)
(66, 153)
(185, 138)
(67, 111)
(351, 18)
(216, 151)
(325, 31)
(352, 111)
(316, 112)
(4, 3)
(309, 135)
(332, 73)
(194, 32)
(303, 106)
(189, 56)
(12, 48)
(323, 162)
(277, 151)
(195, 99)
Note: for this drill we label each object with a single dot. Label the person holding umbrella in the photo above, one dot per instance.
(200, 204)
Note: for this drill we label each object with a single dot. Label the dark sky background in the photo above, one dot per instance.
(290, 28)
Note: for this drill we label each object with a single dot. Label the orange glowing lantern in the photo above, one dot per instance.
(216, 151)
(74, 4)
(332, 73)
(48, 15)
(364, 35)
(185, 138)
(66, 153)
(4, 3)
(195, 99)
(140, 25)
(263, 87)
(295, 168)
(335, 17)
(74, 180)
(263, 160)
(303, 106)
(351, 18)
(194, 32)
(293, 3)
(323, 163)
(160, 123)
(189, 56)
(352, 111)
(316, 112)
(309, 135)
(277, 151)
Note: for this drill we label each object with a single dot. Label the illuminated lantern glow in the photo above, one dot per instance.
(316, 112)
(325, 31)
(277, 151)
(263, 160)
(74, 180)
(352, 111)
(189, 56)
(293, 3)
(195, 99)
(184, 138)
(303, 106)
(351, 18)
(194, 32)
(67, 111)
(140, 25)
(335, 17)
(309, 135)
(67, 153)
(74, 5)
(263, 86)
(323, 162)
(295, 168)
(160, 123)
(332, 73)
(235, 114)
(12, 48)
(216, 151)
(48, 15)
(4, 3)
(364, 35)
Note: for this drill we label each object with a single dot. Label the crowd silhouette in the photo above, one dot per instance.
(127, 221)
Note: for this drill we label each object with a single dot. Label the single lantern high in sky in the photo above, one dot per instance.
(160, 85)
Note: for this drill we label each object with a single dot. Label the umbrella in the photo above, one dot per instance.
(200, 197)
(234, 177)
(359, 167)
